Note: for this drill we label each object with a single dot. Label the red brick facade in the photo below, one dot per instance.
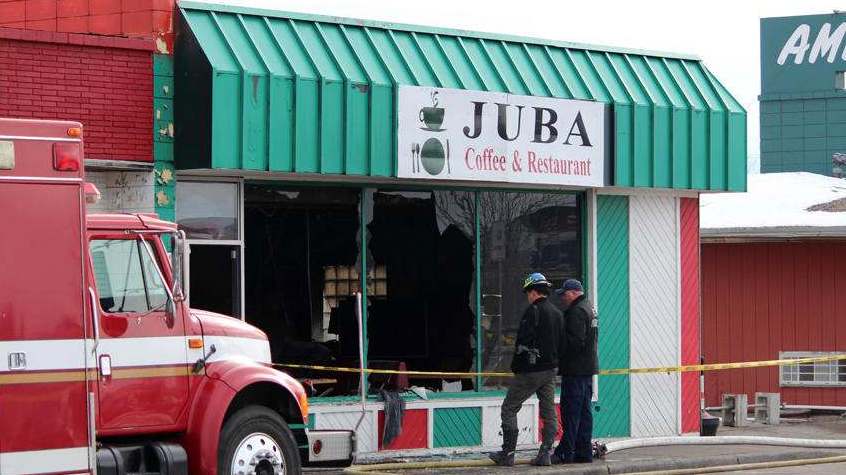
(105, 83)
(101, 17)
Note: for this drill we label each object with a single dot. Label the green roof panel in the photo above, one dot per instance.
(289, 92)
(262, 40)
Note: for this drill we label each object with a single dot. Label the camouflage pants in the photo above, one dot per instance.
(523, 386)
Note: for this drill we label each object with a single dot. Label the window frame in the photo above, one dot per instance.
(138, 241)
(236, 243)
(835, 368)
(239, 208)
(586, 202)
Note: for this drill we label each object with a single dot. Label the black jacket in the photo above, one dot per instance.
(577, 349)
(539, 330)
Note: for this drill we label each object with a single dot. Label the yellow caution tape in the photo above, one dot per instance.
(439, 374)
(619, 371)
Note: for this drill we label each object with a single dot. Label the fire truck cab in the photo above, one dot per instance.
(104, 367)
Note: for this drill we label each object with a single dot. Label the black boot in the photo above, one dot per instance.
(544, 458)
(505, 457)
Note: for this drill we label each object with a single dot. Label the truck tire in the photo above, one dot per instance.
(255, 440)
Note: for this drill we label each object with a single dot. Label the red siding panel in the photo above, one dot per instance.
(690, 312)
(415, 430)
(560, 430)
(762, 298)
(109, 90)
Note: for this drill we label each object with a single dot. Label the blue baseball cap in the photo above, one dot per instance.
(570, 284)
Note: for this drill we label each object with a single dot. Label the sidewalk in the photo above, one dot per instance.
(669, 458)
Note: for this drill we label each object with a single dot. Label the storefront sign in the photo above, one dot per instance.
(454, 134)
(802, 53)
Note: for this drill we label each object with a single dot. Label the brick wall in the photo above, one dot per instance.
(102, 17)
(105, 83)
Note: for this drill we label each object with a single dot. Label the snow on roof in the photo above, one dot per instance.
(778, 205)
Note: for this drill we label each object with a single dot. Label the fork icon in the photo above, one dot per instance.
(415, 158)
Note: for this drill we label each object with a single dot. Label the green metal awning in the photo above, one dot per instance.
(286, 92)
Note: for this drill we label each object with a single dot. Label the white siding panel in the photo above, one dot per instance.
(654, 314)
(123, 192)
(527, 422)
(367, 437)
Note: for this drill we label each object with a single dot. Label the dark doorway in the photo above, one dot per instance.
(214, 279)
(302, 261)
(425, 319)
(303, 249)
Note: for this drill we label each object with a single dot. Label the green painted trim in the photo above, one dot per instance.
(362, 232)
(478, 225)
(191, 5)
(409, 396)
(163, 65)
(164, 189)
(613, 415)
(456, 427)
(493, 394)
(309, 425)
(330, 400)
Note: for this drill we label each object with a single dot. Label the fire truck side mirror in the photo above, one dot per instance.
(181, 251)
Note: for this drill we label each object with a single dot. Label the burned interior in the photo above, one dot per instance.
(415, 256)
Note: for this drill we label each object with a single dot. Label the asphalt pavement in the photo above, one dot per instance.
(822, 469)
(656, 459)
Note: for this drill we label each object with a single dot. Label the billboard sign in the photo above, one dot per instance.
(803, 53)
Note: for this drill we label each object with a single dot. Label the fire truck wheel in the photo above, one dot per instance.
(255, 440)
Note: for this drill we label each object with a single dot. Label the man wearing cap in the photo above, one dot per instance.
(534, 365)
(578, 363)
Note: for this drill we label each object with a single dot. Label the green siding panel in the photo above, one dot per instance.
(163, 87)
(281, 125)
(163, 151)
(307, 94)
(163, 65)
(624, 144)
(662, 173)
(307, 125)
(699, 128)
(164, 191)
(613, 418)
(226, 120)
(457, 427)
(382, 137)
(331, 139)
(681, 149)
(356, 151)
(736, 163)
(254, 154)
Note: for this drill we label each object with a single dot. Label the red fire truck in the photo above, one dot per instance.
(104, 368)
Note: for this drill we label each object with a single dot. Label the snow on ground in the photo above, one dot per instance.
(776, 200)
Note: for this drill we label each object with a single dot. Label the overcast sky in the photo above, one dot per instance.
(724, 33)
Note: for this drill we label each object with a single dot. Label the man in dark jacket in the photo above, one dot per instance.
(578, 364)
(535, 366)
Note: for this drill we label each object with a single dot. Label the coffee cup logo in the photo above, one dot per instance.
(433, 154)
(432, 117)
